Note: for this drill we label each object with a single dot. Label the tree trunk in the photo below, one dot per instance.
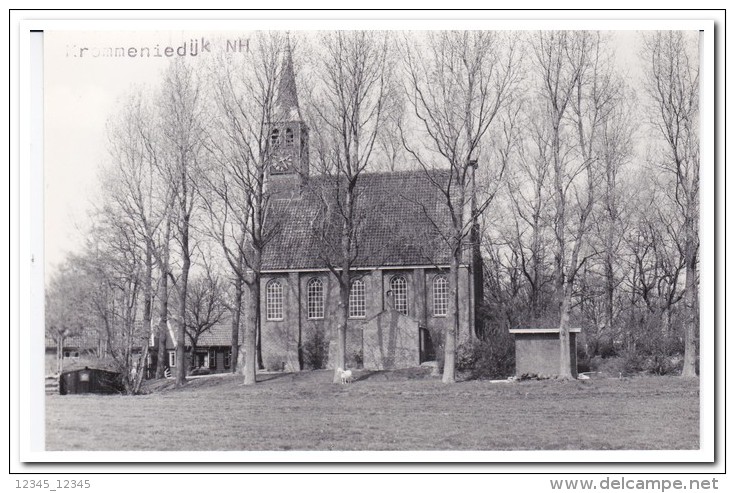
(163, 322)
(563, 284)
(236, 314)
(450, 332)
(193, 356)
(340, 356)
(565, 305)
(60, 354)
(610, 239)
(258, 350)
(535, 272)
(147, 302)
(138, 381)
(690, 327)
(182, 291)
(345, 284)
(250, 335)
(609, 289)
(163, 329)
(565, 362)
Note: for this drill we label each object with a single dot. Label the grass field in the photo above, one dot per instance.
(382, 411)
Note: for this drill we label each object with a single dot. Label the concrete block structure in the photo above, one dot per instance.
(537, 351)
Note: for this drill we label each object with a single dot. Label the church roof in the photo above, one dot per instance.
(400, 218)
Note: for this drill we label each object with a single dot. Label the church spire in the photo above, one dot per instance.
(289, 135)
(287, 101)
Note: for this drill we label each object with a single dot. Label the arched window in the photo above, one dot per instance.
(399, 288)
(289, 137)
(274, 301)
(315, 298)
(441, 296)
(275, 138)
(357, 299)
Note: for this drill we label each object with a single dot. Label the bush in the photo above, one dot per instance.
(630, 362)
(467, 356)
(354, 359)
(606, 348)
(487, 359)
(274, 363)
(583, 360)
(659, 364)
(437, 340)
(315, 350)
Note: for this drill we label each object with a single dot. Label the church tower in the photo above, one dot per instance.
(289, 135)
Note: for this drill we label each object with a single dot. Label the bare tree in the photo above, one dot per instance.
(558, 81)
(615, 150)
(205, 308)
(529, 196)
(164, 268)
(182, 119)
(110, 272)
(672, 84)
(390, 142)
(458, 85)
(133, 185)
(149, 133)
(578, 90)
(236, 193)
(350, 100)
(654, 241)
(67, 307)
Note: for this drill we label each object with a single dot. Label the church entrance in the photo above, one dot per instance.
(426, 347)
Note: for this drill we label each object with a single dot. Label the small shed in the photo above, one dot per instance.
(90, 381)
(537, 351)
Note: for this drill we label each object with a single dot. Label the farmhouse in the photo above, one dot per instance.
(74, 348)
(399, 296)
(213, 351)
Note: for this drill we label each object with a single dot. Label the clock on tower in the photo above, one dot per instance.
(283, 164)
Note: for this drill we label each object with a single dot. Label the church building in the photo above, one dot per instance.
(399, 297)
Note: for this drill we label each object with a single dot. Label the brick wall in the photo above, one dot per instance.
(390, 340)
(384, 338)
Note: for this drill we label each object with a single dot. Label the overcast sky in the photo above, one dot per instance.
(83, 88)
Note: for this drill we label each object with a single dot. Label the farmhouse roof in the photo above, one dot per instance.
(401, 217)
(218, 335)
(77, 341)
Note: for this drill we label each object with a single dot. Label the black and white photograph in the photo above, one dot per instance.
(382, 239)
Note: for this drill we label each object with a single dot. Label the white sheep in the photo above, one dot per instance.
(345, 375)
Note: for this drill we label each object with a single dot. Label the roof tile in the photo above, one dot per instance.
(400, 216)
